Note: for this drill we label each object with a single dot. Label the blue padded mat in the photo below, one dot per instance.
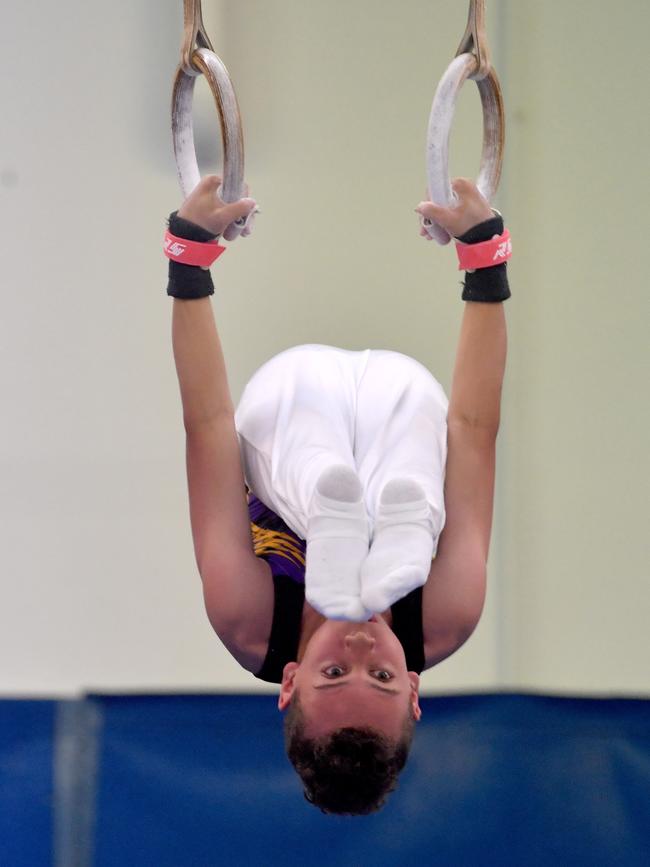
(198, 781)
(26, 783)
(512, 780)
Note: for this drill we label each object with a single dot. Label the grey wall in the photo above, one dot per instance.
(100, 588)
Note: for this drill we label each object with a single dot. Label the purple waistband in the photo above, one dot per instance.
(289, 559)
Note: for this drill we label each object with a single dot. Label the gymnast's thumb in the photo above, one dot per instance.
(237, 210)
(431, 211)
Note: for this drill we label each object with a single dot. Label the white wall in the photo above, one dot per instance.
(576, 500)
(100, 585)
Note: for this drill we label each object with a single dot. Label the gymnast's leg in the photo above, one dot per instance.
(400, 450)
(296, 423)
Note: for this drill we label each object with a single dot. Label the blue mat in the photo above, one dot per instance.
(198, 781)
(26, 783)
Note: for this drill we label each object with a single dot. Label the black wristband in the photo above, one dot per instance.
(489, 285)
(188, 281)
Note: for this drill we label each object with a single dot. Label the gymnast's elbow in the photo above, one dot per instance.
(467, 616)
(222, 617)
(445, 638)
(467, 627)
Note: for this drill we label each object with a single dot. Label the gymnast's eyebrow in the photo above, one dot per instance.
(373, 685)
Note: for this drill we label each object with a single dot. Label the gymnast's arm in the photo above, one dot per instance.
(455, 592)
(234, 579)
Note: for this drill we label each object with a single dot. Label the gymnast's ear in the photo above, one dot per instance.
(414, 680)
(288, 684)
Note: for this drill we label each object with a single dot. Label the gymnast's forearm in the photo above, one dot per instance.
(475, 399)
(200, 364)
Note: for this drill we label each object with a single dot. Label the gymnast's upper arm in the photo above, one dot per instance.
(236, 585)
(454, 594)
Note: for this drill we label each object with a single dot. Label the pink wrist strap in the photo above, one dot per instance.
(191, 252)
(471, 257)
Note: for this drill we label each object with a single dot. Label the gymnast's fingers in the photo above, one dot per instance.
(240, 218)
(470, 209)
(205, 208)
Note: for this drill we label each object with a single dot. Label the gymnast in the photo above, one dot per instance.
(341, 514)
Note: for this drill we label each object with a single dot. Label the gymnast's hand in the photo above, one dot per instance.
(470, 209)
(204, 207)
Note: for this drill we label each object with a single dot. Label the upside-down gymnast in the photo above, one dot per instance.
(341, 514)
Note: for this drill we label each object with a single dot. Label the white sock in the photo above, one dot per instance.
(337, 545)
(402, 547)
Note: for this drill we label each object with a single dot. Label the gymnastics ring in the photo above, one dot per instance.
(465, 65)
(203, 61)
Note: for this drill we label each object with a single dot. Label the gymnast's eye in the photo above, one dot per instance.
(336, 671)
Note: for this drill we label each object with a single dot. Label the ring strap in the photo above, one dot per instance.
(191, 252)
(487, 254)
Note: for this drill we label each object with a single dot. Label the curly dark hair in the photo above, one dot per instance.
(349, 772)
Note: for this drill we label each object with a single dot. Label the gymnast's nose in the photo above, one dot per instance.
(359, 641)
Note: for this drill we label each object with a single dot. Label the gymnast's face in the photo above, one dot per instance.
(352, 674)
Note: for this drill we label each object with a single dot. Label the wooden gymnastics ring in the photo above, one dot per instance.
(465, 65)
(216, 74)
(203, 61)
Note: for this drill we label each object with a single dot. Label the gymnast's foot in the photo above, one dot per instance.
(402, 547)
(337, 545)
